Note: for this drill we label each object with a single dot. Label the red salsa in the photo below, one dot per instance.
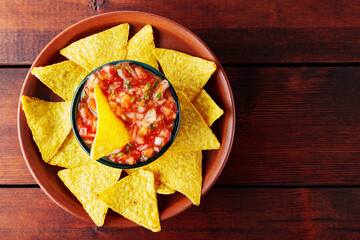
(141, 99)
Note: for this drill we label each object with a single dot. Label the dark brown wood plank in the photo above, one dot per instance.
(224, 213)
(13, 168)
(237, 31)
(294, 126)
(27, 26)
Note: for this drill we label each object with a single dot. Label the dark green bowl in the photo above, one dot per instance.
(106, 161)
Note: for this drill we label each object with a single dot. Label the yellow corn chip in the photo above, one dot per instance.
(208, 109)
(134, 197)
(186, 73)
(93, 51)
(49, 123)
(140, 47)
(179, 170)
(194, 134)
(163, 189)
(160, 187)
(62, 78)
(111, 132)
(70, 154)
(85, 182)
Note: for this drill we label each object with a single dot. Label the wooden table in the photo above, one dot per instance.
(294, 171)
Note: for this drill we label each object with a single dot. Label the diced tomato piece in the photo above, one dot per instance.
(103, 74)
(148, 152)
(113, 105)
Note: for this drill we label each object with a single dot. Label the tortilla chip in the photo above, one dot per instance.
(111, 132)
(134, 197)
(208, 109)
(85, 182)
(160, 187)
(163, 189)
(71, 154)
(95, 50)
(49, 123)
(179, 170)
(194, 134)
(186, 73)
(140, 47)
(62, 78)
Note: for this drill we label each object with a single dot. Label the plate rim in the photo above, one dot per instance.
(231, 133)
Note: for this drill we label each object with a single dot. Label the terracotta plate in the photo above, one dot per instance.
(168, 34)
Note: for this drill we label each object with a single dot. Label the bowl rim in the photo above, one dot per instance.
(103, 160)
(185, 34)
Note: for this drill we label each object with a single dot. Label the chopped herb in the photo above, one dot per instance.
(121, 154)
(127, 83)
(119, 66)
(132, 99)
(146, 95)
(155, 84)
(111, 90)
(83, 94)
(147, 86)
(152, 126)
(93, 112)
(138, 100)
(158, 95)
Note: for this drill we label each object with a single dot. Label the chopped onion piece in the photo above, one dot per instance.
(107, 69)
(149, 118)
(130, 115)
(159, 141)
(88, 142)
(143, 147)
(161, 102)
(130, 161)
(141, 109)
(139, 116)
(140, 140)
(115, 152)
(156, 149)
(121, 74)
(163, 85)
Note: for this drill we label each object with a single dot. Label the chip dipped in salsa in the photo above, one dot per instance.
(141, 99)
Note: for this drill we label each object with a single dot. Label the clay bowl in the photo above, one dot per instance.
(168, 34)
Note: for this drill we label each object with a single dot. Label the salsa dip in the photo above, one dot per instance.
(140, 98)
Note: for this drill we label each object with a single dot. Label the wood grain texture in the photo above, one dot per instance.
(13, 168)
(236, 31)
(294, 126)
(258, 214)
(27, 26)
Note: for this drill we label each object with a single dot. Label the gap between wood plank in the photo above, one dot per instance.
(292, 64)
(96, 4)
